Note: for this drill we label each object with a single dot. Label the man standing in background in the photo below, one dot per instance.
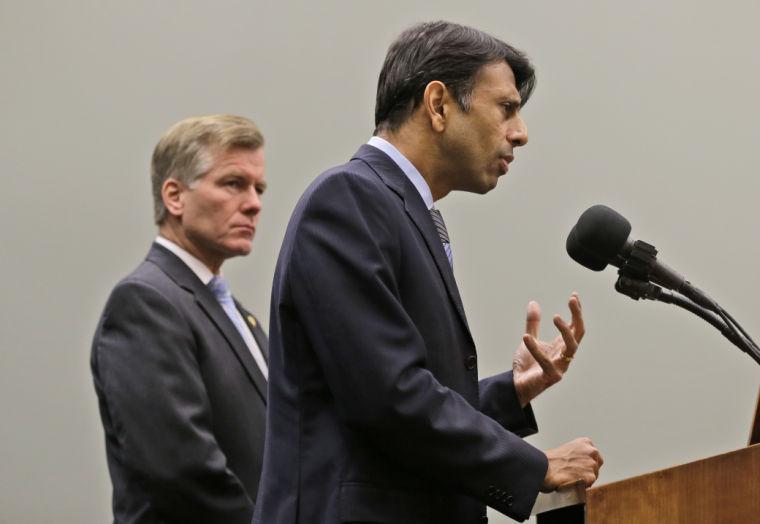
(180, 368)
(375, 409)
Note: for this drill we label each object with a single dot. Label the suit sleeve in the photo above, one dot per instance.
(498, 400)
(343, 274)
(146, 367)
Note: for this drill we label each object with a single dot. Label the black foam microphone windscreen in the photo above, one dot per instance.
(598, 237)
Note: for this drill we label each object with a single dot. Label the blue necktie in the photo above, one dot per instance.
(440, 226)
(221, 291)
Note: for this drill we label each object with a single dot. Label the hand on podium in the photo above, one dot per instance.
(575, 462)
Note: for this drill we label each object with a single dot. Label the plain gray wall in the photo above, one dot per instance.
(650, 107)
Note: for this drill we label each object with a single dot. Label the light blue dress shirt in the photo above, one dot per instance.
(406, 166)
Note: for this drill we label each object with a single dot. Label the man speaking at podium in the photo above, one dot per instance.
(375, 411)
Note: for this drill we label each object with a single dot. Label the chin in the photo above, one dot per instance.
(239, 249)
(488, 184)
(479, 185)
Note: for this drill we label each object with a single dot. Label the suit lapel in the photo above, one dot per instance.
(214, 311)
(258, 332)
(399, 183)
(185, 278)
(421, 218)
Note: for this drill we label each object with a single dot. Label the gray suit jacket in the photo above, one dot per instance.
(182, 400)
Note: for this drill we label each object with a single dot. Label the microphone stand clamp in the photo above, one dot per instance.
(639, 262)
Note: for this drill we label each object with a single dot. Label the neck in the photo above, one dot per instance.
(416, 145)
(170, 230)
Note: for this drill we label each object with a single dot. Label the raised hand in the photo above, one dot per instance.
(538, 364)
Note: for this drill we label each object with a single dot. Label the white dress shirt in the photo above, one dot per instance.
(205, 275)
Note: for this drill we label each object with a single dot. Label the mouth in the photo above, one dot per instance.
(504, 163)
(245, 228)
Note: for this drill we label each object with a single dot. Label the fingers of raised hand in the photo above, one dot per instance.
(577, 316)
(549, 368)
(533, 318)
(534, 348)
(568, 337)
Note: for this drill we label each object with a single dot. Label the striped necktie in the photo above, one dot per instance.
(440, 226)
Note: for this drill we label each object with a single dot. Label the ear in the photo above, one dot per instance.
(171, 194)
(435, 100)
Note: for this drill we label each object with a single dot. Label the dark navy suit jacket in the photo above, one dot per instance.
(182, 400)
(375, 409)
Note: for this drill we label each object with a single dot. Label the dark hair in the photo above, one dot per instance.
(450, 53)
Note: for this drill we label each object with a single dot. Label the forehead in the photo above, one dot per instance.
(239, 157)
(496, 80)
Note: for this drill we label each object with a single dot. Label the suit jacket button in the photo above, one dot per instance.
(470, 362)
(510, 498)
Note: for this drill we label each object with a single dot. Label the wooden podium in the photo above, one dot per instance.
(724, 489)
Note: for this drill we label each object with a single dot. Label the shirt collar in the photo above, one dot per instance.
(200, 269)
(406, 166)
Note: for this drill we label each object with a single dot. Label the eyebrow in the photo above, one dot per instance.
(511, 100)
(262, 184)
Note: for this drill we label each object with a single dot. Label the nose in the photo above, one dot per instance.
(252, 202)
(517, 133)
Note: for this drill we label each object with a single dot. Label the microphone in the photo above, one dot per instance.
(602, 236)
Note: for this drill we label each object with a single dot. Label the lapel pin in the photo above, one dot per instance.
(252, 320)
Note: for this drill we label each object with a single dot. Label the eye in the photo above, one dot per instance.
(510, 108)
(234, 183)
(260, 189)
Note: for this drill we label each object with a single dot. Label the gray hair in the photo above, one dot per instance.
(186, 152)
